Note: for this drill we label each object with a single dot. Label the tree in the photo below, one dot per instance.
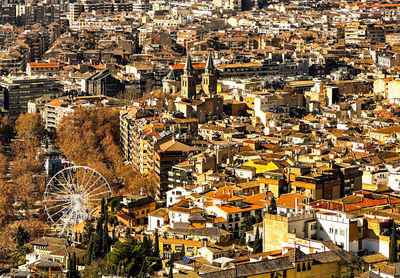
(183, 251)
(242, 239)
(26, 190)
(258, 217)
(272, 209)
(393, 245)
(147, 246)
(88, 133)
(248, 223)
(257, 245)
(106, 238)
(6, 129)
(91, 137)
(21, 236)
(130, 258)
(103, 207)
(156, 250)
(145, 184)
(20, 254)
(156, 244)
(170, 264)
(87, 231)
(6, 201)
(29, 126)
(352, 267)
(98, 250)
(72, 267)
(90, 252)
(3, 163)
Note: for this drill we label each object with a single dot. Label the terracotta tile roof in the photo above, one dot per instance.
(234, 209)
(362, 199)
(195, 66)
(55, 102)
(173, 145)
(124, 216)
(161, 212)
(181, 242)
(43, 65)
(289, 200)
(260, 199)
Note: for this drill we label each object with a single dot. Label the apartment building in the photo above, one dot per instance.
(15, 92)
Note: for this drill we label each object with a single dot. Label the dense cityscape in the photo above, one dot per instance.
(199, 139)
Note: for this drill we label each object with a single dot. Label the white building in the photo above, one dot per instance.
(394, 181)
(157, 219)
(340, 228)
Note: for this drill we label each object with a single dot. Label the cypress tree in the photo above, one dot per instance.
(272, 209)
(103, 207)
(98, 240)
(242, 239)
(87, 232)
(90, 250)
(393, 245)
(257, 245)
(106, 239)
(156, 244)
(256, 239)
(183, 252)
(72, 268)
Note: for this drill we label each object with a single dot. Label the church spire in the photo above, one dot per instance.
(209, 63)
(188, 63)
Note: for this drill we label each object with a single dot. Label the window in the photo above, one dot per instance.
(331, 230)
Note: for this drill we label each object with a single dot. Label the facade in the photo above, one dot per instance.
(167, 155)
(15, 92)
(42, 68)
(138, 208)
(102, 83)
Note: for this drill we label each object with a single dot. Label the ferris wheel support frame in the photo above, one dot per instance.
(74, 198)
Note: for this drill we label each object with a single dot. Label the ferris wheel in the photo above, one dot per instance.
(72, 194)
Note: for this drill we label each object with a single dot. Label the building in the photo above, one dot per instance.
(166, 156)
(102, 83)
(138, 208)
(292, 264)
(16, 92)
(188, 86)
(42, 69)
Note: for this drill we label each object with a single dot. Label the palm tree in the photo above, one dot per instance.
(21, 237)
(353, 267)
(170, 263)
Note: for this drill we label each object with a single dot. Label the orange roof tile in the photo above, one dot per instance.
(42, 65)
(195, 66)
(233, 209)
